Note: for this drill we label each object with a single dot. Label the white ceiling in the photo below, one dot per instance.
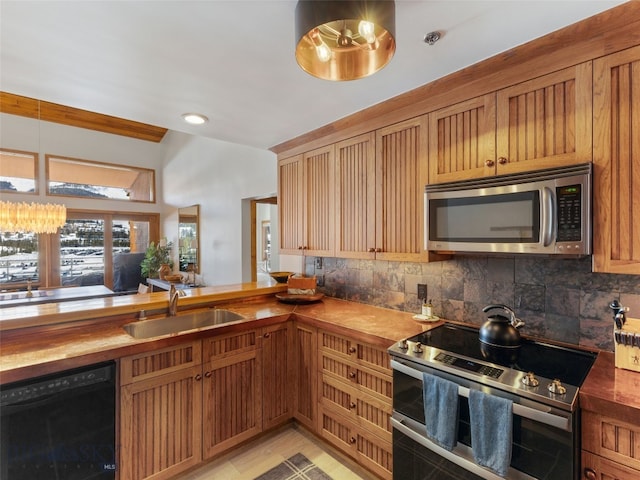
(233, 61)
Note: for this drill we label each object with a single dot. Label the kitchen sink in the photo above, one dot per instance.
(180, 323)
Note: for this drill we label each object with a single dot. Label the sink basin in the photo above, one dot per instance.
(180, 323)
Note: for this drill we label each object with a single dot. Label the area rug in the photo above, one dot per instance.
(297, 467)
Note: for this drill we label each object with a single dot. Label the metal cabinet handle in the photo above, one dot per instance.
(590, 474)
(207, 374)
(352, 440)
(267, 335)
(489, 163)
(371, 249)
(352, 349)
(352, 374)
(198, 377)
(378, 250)
(503, 161)
(352, 405)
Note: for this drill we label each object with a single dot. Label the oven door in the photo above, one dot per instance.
(544, 445)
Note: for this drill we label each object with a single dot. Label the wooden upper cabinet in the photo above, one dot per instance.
(541, 123)
(355, 197)
(616, 159)
(306, 202)
(319, 201)
(462, 140)
(401, 175)
(290, 206)
(545, 122)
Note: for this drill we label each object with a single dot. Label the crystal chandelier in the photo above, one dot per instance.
(31, 217)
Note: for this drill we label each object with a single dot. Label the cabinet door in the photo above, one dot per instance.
(355, 197)
(616, 159)
(306, 374)
(232, 393)
(290, 205)
(462, 140)
(160, 412)
(319, 201)
(610, 438)
(277, 372)
(545, 122)
(401, 175)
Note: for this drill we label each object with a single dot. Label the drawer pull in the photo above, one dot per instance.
(352, 405)
(352, 349)
(590, 474)
(352, 440)
(207, 374)
(352, 374)
(267, 335)
(198, 377)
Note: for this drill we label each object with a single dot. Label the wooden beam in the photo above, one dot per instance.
(74, 117)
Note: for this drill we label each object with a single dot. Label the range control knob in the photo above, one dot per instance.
(417, 348)
(403, 344)
(557, 387)
(530, 380)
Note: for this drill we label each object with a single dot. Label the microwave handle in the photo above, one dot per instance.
(548, 214)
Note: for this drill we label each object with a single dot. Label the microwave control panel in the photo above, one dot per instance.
(569, 213)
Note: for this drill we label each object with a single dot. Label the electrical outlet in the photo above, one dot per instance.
(320, 280)
(422, 291)
(319, 263)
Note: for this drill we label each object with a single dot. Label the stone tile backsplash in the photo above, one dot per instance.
(559, 299)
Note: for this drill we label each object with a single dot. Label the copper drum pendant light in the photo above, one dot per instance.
(344, 40)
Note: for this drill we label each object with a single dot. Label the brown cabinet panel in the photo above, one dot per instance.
(232, 391)
(401, 174)
(613, 439)
(277, 374)
(462, 140)
(159, 362)
(599, 468)
(355, 197)
(160, 428)
(616, 158)
(545, 122)
(319, 199)
(290, 207)
(305, 375)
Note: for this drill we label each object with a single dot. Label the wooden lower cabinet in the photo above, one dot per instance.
(305, 377)
(232, 391)
(355, 400)
(278, 363)
(160, 419)
(610, 448)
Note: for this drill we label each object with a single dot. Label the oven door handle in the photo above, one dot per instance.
(536, 415)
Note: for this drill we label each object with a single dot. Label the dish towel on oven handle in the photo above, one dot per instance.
(491, 430)
(440, 398)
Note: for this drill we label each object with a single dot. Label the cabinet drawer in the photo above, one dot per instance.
(357, 352)
(159, 362)
(223, 345)
(368, 449)
(595, 467)
(612, 439)
(368, 412)
(365, 379)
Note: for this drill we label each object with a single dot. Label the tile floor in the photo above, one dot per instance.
(257, 457)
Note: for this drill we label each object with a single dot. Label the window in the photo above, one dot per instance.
(19, 259)
(99, 248)
(18, 171)
(84, 178)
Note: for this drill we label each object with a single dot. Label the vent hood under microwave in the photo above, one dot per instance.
(541, 212)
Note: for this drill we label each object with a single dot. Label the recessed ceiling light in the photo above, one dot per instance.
(194, 118)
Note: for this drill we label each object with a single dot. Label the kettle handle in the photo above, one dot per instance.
(515, 321)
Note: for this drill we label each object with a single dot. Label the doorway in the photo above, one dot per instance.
(265, 244)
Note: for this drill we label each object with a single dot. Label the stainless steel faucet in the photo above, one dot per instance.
(174, 294)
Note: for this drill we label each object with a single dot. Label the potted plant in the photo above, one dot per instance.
(155, 257)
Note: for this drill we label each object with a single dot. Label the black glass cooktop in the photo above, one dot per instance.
(545, 360)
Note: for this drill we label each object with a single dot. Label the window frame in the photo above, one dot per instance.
(150, 171)
(36, 171)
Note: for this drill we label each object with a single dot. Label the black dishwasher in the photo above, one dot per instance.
(59, 426)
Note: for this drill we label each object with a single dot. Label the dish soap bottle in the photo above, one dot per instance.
(427, 309)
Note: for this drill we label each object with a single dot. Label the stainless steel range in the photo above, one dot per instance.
(541, 380)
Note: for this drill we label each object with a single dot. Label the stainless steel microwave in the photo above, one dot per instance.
(540, 212)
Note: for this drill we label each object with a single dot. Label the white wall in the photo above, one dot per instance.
(218, 176)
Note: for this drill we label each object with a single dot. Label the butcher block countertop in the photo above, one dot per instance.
(74, 337)
(612, 391)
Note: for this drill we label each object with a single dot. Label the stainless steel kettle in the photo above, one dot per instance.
(501, 331)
